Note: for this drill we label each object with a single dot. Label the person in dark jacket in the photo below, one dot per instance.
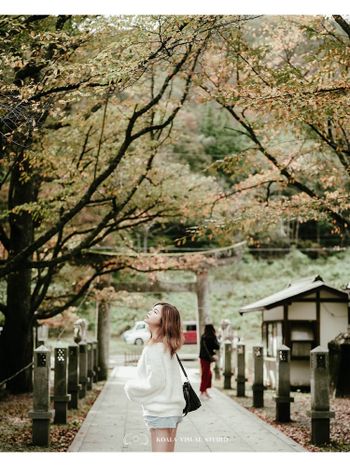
(208, 345)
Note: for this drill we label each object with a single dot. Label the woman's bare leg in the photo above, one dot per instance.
(163, 439)
(173, 438)
(159, 439)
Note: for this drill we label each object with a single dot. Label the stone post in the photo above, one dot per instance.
(282, 397)
(320, 413)
(258, 384)
(83, 379)
(103, 337)
(240, 378)
(61, 397)
(227, 348)
(234, 359)
(73, 376)
(96, 367)
(41, 414)
(90, 365)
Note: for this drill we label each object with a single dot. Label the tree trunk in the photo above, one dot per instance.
(16, 340)
(103, 337)
(16, 344)
(203, 301)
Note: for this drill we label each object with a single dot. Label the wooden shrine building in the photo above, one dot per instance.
(302, 316)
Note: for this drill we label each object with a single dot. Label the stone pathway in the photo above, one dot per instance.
(115, 424)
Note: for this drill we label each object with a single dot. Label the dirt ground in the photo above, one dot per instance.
(16, 427)
(299, 429)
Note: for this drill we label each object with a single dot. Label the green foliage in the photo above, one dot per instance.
(206, 135)
(221, 138)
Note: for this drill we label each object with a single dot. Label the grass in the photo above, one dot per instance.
(231, 287)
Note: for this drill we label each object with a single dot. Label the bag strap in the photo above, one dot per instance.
(183, 369)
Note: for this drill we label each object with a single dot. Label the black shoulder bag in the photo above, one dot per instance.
(191, 398)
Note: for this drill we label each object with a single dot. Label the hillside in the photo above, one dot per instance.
(233, 286)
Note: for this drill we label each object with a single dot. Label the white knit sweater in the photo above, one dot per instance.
(158, 385)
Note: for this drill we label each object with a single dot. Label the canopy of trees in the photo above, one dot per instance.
(151, 131)
(284, 83)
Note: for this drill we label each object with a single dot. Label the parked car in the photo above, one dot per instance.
(190, 332)
(138, 334)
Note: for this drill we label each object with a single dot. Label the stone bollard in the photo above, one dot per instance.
(258, 384)
(61, 396)
(90, 365)
(96, 367)
(83, 379)
(217, 366)
(234, 359)
(282, 397)
(240, 378)
(73, 376)
(227, 365)
(41, 414)
(320, 413)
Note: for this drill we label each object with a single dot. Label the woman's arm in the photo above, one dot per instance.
(143, 390)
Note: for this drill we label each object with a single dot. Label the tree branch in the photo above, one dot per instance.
(172, 116)
(101, 134)
(38, 295)
(342, 221)
(49, 313)
(343, 24)
(128, 139)
(344, 161)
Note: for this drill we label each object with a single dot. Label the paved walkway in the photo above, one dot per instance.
(115, 424)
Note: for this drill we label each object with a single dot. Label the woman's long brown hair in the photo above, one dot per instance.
(171, 327)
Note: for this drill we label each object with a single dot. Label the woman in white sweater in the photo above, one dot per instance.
(158, 385)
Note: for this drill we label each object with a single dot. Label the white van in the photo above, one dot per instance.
(138, 334)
